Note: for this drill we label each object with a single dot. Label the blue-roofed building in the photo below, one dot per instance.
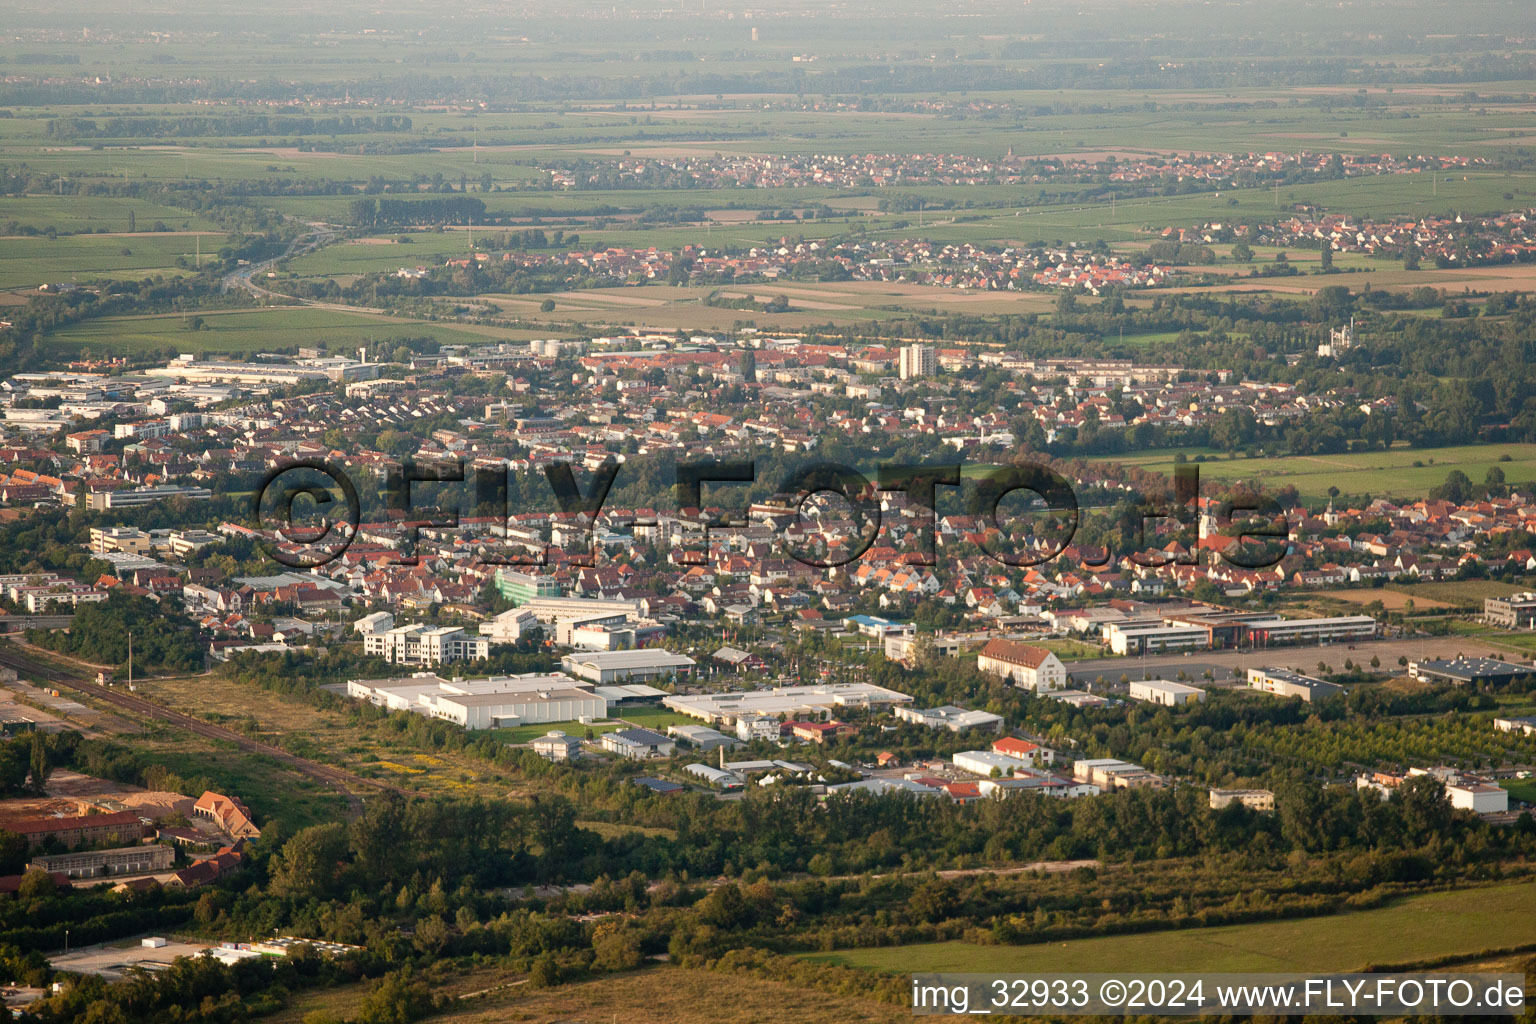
(659, 786)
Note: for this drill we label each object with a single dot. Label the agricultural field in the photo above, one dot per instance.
(1464, 594)
(1462, 922)
(1398, 473)
(27, 262)
(70, 215)
(263, 330)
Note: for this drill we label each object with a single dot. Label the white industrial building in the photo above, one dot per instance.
(717, 777)
(1525, 726)
(510, 626)
(794, 701)
(488, 703)
(638, 744)
(952, 718)
(985, 762)
(700, 737)
(1479, 797)
(1165, 692)
(618, 666)
(505, 710)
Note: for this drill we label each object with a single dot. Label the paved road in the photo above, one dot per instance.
(1226, 665)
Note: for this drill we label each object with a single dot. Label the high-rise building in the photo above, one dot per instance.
(918, 361)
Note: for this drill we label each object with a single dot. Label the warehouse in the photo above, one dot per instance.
(952, 718)
(986, 762)
(622, 666)
(794, 701)
(490, 702)
(1468, 671)
(717, 777)
(700, 737)
(504, 710)
(1168, 694)
(1284, 683)
(637, 744)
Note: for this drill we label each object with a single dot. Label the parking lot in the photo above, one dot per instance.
(1226, 667)
(114, 960)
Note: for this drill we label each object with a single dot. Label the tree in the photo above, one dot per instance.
(308, 864)
(41, 766)
(36, 884)
(934, 900)
(547, 306)
(617, 949)
(1327, 265)
(398, 999)
(1456, 489)
(545, 972)
(1242, 252)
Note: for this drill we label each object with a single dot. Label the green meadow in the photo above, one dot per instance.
(1400, 472)
(261, 330)
(1460, 922)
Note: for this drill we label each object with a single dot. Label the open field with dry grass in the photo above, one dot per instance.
(1417, 927)
(655, 995)
(327, 736)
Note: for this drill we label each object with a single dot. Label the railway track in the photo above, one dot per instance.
(343, 782)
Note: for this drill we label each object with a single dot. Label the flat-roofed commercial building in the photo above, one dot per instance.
(1517, 611)
(1146, 639)
(504, 710)
(1253, 799)
(1285, 683)
(1478, 797)
(522, 587)
(1526, 726)
(490, 702)
(794, 701)
(419, 644)
(1165, 692)
(638, 744)
(1281, 632)
(618, 666)
(1468, 671)
(952, 718)
(1111, 773)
